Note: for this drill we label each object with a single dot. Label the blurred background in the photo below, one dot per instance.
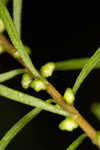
(54, 33)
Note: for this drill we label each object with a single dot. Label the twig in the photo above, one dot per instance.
(85, 126)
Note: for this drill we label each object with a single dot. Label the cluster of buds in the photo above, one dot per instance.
(27, 82)
(38, 85)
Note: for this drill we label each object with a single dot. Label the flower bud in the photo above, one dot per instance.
(38, 85)
(26, 80)
(2, 27)
(69, 96)
(47, 69)
(68, 124)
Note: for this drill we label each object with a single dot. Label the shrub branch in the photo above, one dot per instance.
(84, 125)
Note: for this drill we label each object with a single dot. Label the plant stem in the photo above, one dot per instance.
(85, 126)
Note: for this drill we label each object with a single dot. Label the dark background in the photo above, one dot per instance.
(54, 33)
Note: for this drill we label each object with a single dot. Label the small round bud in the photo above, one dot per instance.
(69, 96)
(2, 49)
(98, 137)
(38, 85)
(47, 69)
(68, 124)
(2, 27)
(26, 80)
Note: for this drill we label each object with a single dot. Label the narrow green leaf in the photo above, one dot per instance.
(8, 75)
(13, 34)
(86, 70)
(30, 100)
(77, 142)
(95, 109)
(16, 128)
(71, 64)
(17, 11)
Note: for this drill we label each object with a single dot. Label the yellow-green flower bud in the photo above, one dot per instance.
(47, 69)
(2, 49)
(69, 96)
(98, 137)
(26, 80)
(38, 85)
(2, 27)
(68, 124)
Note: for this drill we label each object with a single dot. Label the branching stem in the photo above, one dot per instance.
(85, 126)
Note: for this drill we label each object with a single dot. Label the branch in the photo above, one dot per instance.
(85, 126)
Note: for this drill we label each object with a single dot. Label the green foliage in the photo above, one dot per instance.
(29, 100)
(13, 28)
(77, 142)
(17, 7)
(73, 64)
(8, 75)
(13, 34)
(16, 128)
(86, 70)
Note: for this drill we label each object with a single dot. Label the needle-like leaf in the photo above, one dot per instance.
(30, 100)
(86, 70)
(8, 75)
(16, 128)
(14, 37)
(77, 142)
(73, 64)
(17, 12)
